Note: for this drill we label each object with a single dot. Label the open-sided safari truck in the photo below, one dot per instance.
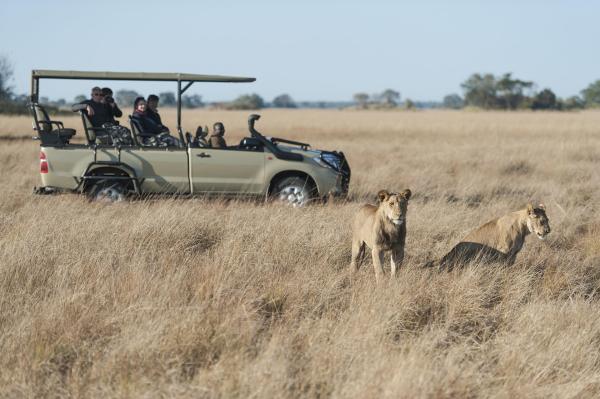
(258, 166)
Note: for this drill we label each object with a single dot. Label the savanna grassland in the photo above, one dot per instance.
(216, 299)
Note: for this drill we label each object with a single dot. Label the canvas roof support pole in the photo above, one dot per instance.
(179, 130)
(35, 89)
(180, 91)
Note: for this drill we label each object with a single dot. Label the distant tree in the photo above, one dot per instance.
(453, 101)
(511, 91)
(6, 74)
(545, 99)
(390, 97)
(80, 98)
(284, 101)
(573, 102)
(591, 94)
(125, 98)
(193, 101)
(167, 99)
(247, 101)
(61, 102)
(409, 104)
(480, 90)
(361, 99)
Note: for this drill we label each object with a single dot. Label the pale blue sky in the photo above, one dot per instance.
(313, 50)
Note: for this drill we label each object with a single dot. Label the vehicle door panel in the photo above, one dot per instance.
(163, 170)
(227, 170)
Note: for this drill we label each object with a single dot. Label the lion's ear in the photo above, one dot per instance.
(407, 193)
(542, 207)
(382, 195)
(530, 209)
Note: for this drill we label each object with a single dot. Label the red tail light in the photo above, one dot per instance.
(43, 163)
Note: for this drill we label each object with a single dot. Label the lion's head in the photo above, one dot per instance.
(537, 221)
(394, 205)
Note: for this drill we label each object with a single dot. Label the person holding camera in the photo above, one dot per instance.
(112, 107)
(101, 108)
(95, 109)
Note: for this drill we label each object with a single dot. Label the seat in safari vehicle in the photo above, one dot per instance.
(50, 132)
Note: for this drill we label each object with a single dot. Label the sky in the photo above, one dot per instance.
(311, 50)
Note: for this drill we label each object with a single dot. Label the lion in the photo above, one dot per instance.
(498, 240)
(382, 228)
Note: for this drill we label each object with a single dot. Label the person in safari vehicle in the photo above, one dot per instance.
(159, 133)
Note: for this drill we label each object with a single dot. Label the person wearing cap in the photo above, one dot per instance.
(216, 139)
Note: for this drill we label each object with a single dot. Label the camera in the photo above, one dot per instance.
(109, 99)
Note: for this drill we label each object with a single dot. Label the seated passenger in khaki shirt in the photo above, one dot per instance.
(216, 139)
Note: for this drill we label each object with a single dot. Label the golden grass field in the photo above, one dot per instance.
(214, 299)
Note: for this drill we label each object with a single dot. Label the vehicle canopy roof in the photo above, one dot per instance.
(155, 76)
(180, 78)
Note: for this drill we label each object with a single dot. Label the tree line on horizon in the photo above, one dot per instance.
(490, 92)
(505, 92)
(484, 91)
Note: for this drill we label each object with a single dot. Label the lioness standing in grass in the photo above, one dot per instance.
(500, 239)
(382, 228)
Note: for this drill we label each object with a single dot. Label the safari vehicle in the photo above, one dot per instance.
(270, 167)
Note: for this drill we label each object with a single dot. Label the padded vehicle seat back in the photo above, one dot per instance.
(138, 133)
(41, 118)
(89, 128)
(43, 125)
(136, 130)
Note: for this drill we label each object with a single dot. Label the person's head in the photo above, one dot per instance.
(96, 94)
(107, 95)
(201, 133)
(139, 105)
(218, 129)
(152, 102)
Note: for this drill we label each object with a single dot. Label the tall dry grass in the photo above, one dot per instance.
(195, 298)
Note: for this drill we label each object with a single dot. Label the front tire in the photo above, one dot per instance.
(294, 191)
(108, 191)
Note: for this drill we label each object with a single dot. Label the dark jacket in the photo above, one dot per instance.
(147, 125)
(155, 117)
(114, 112)
(103, 113)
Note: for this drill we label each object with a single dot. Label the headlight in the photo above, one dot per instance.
(328, 161)
(332, 160)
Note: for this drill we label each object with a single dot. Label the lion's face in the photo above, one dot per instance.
(394, 205)
(537, 221)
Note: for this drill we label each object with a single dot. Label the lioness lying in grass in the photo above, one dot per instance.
(382, 228)
(500, 239)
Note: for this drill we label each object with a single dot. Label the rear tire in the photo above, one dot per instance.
(294, 191)
(108, 191)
